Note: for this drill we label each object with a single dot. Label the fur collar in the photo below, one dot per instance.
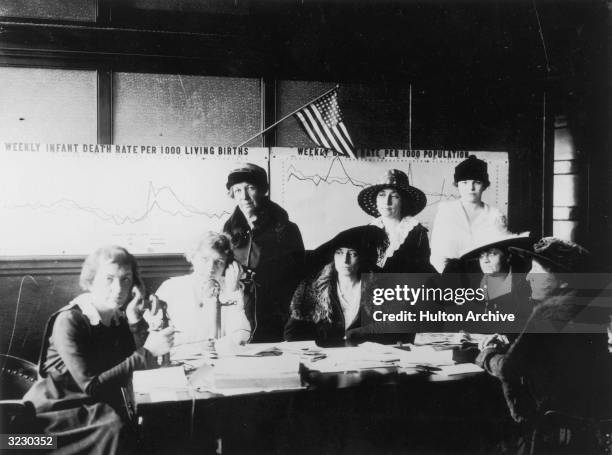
(321, 288)
(562, 308)
(272, 216)
(316, 298)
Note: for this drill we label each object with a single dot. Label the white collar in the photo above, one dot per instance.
(84, 302)
(397, 237)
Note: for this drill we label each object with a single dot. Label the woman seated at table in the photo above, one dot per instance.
(209, 303)
(395, 204)
(503, 279)
(325, 307)
(90, 349)
(560, 362)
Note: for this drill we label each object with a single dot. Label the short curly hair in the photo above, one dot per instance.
(115, 255)
(211, 240)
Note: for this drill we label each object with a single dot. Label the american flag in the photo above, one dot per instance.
(322, 120)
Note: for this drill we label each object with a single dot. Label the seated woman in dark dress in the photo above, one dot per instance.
(560, 362)
(90, 349)
(395, 204)
(325, 307)
(503, 276)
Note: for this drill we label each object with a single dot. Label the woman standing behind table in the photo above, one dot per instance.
(90, 349)
(208, 304)
(394, 204)
(325, 307)
(461, 223)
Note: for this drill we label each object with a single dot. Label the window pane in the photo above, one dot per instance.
(48, 105)
(292, 95)
(71, 10)
(176, 109)
(375, 115)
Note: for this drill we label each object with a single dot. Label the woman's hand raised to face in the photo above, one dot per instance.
(138, 304)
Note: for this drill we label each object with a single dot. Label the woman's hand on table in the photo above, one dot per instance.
(494, 341)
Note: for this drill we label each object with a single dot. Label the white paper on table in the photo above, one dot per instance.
(298, 347)
(460, 368)
(159, 395)
(426, 355)
(447, 338)
(331, 365)
(253, 366)
(438, 338)
(364, 356)
(147, 381)
(260, 349)
(255, 349)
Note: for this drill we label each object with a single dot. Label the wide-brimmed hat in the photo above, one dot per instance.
(368, 241)
(501, 240)
(561, 256)
(250, 173)
(472, 169)
(413, 199)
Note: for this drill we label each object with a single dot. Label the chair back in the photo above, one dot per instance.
(559, 433)
(16, 377)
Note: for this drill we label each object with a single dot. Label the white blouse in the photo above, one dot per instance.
(350, 305)
(452, 233)
(196, 318)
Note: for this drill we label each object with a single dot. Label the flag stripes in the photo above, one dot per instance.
(322, 120)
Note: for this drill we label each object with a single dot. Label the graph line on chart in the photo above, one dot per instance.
(171, 205)
(440, 196)
(317, 179)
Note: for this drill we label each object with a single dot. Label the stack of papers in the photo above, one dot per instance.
(460, 368)
(374, 355)
(160, 384)
(426, 356)
(447, 339)
(259, 372)
(365, 356)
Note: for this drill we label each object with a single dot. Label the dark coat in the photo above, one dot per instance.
(83, 368)
(545, 369)
(413, 254)
(316, 313)
(81, 361)
(274, 251)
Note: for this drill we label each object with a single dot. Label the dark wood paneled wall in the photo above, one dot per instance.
(31, 290)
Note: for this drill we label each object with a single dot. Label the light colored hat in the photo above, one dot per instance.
(501, 239)
(413, 199)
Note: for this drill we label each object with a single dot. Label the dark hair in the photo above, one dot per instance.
(368, 241)
(472, 168)
(113, 254)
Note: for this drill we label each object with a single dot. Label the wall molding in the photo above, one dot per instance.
(150, 266)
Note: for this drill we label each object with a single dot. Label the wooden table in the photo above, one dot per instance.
(368, 411)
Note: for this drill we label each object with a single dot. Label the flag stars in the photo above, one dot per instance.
(329, 109)
(322, 120)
